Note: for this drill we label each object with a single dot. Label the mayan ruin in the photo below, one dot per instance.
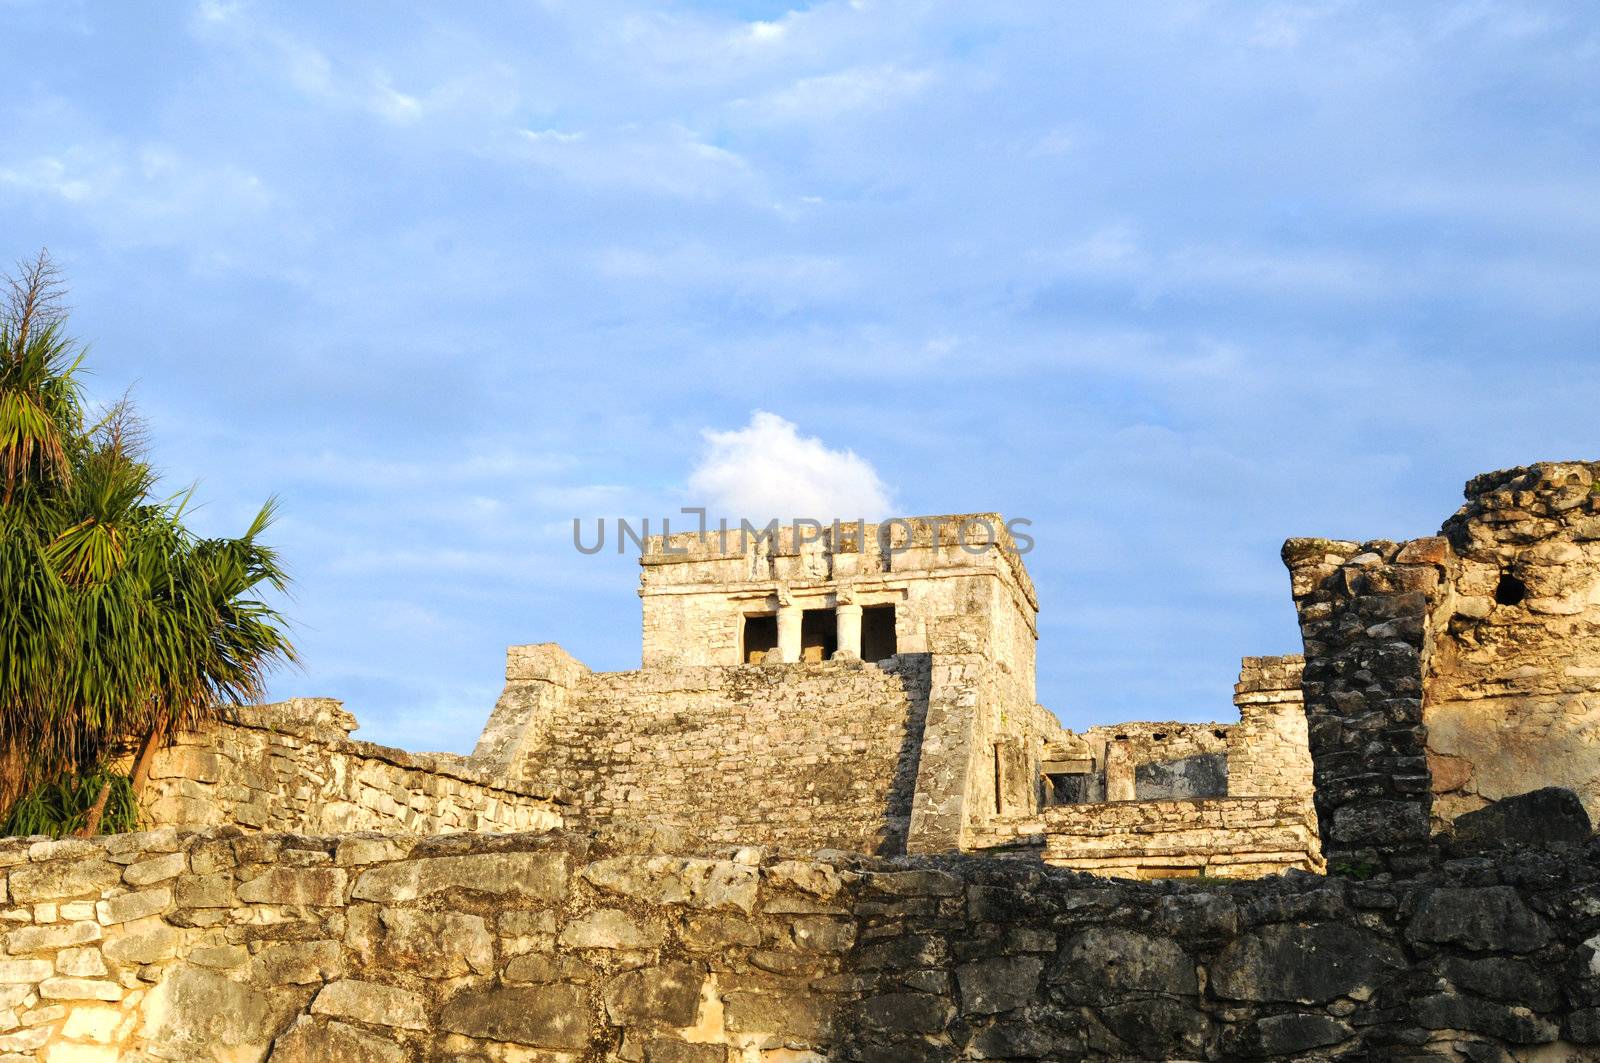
(826, 821)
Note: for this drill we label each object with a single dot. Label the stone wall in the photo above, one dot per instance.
(1269, 753)
(1368, 613)
(551, 948)
(292, 767)
(792, 755)
(1227, 837)
(1449, 671)
(1513, 695)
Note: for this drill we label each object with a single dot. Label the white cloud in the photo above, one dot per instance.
(831, 96)
(768, 469)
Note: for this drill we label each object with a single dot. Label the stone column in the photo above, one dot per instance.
(789, 633)
(1119, 772)
(848, 623)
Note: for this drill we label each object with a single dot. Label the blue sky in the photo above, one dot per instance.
(1174, 281)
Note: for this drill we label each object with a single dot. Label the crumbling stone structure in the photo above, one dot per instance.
(293, 767)
(555, 948)
(1447, 672)
(631, 920)
(868, 688)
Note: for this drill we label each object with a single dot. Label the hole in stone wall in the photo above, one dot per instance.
(760, 635)
(1510, 590)
(877, 632)
(819, 634)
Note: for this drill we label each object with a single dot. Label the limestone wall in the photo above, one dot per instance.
(1448, 671)
(1513, 696)
(552, 949)
(793, 755)
(1269, 752)
(292, 767)
(1228, 837)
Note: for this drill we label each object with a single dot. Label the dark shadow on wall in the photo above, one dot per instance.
(916, 676)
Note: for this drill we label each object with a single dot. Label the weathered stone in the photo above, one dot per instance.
(1548, 816)
(1159, 1027)
(437, 945)
(1101, 965)
(156, 869)
(372, 1002)
(806, 1016)
(295, 885)
(1446, 1011)
(79, 989)
(669, 995)
(1278, 1036)
(610, 928)
(542, 969)
(664, 1051)
(15, 971)
(62, 879)
(550, 1016)
(1492, 917)
(54, 936)
(911, 1012)
(131, 906)
(148, 945)
(1002, 983)
(538, 876)
(1502, 978)
(1312, 963)
(298, 963)
(313, 1041)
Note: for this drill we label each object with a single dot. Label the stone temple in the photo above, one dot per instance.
(826, 821)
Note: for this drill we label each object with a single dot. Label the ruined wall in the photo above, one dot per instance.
(292, 767)
(1513, 695)
(1447, 671)
(1147, 761)
(553, 949)
(1226, 837)
(792, 755)
(1368, 613)
(1269, 752)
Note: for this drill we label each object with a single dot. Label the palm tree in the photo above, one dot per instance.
(118, 626)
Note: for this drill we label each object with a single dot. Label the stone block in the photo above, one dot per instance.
(538, 875)
(55, 936)
(668, 995)
(548, 1016)
(79, 989)
(322, 886)
(610, 928)
(1104, 964)
(908, 1012)
(63, 880)
(155, 869)
(312, 1040)
(1308, 963)
(1548, 816)
(298, 963)
(24, 971)
(1485, 919)
(372, 1002)
(131, 906)
(436, 945)
(998, 984)
(802, 1015)
(147, 945)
